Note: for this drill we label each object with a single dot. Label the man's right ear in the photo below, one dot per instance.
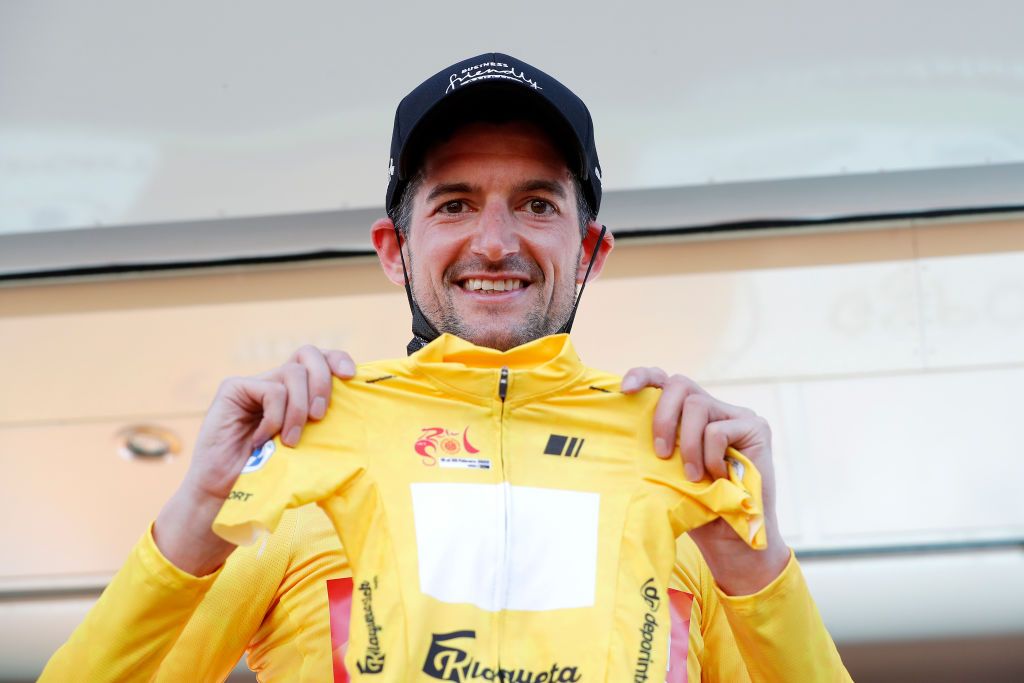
(385, 241)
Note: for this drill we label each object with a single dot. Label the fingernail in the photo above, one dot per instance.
(318, 408)
(691, 472)
(292, 437)
(346, 367)
(661, 447)
(629, 384)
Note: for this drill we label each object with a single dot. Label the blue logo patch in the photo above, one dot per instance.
(259, 457)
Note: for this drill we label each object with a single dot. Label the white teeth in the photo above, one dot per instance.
(475, 284)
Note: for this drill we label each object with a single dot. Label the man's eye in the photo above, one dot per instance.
(454, 206)
(540, 207)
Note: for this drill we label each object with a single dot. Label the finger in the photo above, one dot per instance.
(273, 399)
(669, 410)
(695, 419)
(341, 364)
(294, 378)
(718, 435)
(638, 378)
(318, 379)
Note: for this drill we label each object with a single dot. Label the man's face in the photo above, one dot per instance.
(494, 239)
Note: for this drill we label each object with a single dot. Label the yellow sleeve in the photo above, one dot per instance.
(232, 611)
(270, 601)
(327, 459)
(134, 624)
(155, 622)
(775, 634)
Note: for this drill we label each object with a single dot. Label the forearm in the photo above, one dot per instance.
(182, 532)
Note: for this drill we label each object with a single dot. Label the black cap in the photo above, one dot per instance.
(515, 83)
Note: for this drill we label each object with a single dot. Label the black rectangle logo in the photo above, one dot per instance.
(557, 446)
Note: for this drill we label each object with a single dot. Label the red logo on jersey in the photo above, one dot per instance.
(438, 441)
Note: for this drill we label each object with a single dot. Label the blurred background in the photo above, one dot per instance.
(819, 212)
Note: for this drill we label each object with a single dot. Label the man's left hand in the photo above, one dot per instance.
(704, 427)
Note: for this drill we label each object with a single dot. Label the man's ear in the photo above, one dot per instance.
(589, 242)
(385, 241)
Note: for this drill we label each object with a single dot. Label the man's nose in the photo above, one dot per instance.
(496, 236)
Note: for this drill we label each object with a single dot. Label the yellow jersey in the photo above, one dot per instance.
(504, 516)
(537, 545)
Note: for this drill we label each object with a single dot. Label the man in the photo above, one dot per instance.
(494, 188)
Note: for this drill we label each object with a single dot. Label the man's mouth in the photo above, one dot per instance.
(487, 286)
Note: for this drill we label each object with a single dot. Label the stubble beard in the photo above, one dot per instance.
(501, 333)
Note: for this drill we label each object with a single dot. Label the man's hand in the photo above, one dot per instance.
(704, 427)
(246, 412)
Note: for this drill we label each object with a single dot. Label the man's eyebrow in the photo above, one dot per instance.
(536, 185)
(549, 186)
(449, 188)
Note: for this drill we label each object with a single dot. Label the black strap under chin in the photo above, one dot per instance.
(567, 327)
(423, 331)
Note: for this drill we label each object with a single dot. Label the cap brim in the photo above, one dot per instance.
(492, 100)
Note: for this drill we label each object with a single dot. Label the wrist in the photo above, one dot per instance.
(741, 570)
(183, 533)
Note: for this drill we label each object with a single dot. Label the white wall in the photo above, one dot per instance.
(119, 113)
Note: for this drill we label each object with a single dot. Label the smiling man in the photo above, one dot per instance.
(504, 507)
(501, 190)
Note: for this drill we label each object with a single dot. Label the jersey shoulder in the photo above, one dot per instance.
(606, 389)
(394, 374)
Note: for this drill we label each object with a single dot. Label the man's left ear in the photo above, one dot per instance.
(589, 242)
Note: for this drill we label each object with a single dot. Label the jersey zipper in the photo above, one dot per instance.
(503, 574)
(503, 389)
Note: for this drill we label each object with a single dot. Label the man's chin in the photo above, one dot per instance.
(504, 337)
(500, 328)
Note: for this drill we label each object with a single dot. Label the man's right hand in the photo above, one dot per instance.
(246, 412)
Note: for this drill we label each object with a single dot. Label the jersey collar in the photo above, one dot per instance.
(542, 366)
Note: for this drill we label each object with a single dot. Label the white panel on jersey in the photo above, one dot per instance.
(553, 549)
(549, 562)
(459, 541)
